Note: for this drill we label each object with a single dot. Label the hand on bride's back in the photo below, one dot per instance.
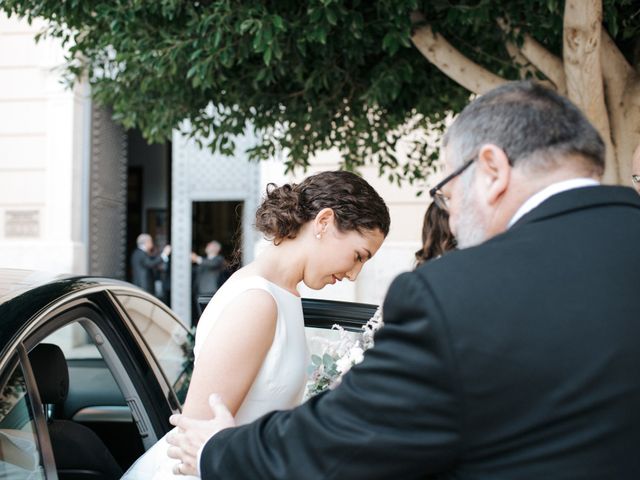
(191, 434)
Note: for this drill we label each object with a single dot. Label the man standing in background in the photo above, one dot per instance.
(209, 269)
(143, 263)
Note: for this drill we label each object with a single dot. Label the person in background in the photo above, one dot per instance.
(209, 268)
(143, 263)
(207, 272)
(437, 238)
(635, 169)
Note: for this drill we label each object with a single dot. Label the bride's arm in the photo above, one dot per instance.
(232, 353)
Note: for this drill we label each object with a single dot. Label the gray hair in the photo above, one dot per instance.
(142, 240)
(536, 128)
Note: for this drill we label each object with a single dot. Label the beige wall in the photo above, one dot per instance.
(42, 155)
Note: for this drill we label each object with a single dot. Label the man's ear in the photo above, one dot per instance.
(324, 218)
(494, 171)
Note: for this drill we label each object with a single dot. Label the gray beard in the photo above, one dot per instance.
(470, 231)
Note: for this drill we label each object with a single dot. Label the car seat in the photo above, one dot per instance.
(79, 453)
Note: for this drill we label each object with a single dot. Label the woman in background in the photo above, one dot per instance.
(437, 238)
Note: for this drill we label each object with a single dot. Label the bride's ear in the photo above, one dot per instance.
(324, 218)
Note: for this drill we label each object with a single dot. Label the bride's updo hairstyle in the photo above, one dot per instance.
(355, 204)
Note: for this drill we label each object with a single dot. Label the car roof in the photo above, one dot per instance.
(14, 282)
(24, 293)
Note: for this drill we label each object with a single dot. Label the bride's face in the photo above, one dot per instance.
(337, 255)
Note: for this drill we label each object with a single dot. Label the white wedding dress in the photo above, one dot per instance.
(279, 385)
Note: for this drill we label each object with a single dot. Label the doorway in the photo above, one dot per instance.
(220, 221)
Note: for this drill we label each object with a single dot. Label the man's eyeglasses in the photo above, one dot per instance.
(635, 179)
(442, 201)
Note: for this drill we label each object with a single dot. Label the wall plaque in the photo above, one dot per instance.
(21, 223)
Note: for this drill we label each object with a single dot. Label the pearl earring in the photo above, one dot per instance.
(318, 236)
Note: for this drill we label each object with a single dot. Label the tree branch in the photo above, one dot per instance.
(452, 63)
(541, 58)
(581, 52)
(616, 71)
(622, 94)
(526, 68)
(546, 62)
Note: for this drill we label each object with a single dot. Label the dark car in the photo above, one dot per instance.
(92, 368)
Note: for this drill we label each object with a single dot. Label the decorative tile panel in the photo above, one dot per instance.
(199, 175)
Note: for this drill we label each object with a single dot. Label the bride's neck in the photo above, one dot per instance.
(282, 264)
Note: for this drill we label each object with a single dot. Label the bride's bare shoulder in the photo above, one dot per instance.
(247, 271)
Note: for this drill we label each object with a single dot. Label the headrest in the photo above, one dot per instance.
(51, 372)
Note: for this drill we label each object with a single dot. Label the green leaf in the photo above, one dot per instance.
(266, 55)
(328, 361)
(217, 38)
(247, 25)
(331, 17)
(315, 15)
(321, 35)
(192, 71)
(390, 43)
(278, 23)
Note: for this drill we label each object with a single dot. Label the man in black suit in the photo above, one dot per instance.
(143, 264)
(516, 357)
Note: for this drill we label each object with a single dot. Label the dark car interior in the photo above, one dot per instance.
(78, 450)
(91, 429)
(96, 401)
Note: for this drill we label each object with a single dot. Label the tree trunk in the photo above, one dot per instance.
(581, 54)
(592, 73)
(625, 128)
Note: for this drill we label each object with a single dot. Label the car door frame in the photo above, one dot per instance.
(168, 392)
(20, 359)
(122, 353)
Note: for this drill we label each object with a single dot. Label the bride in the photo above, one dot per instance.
(250, 342)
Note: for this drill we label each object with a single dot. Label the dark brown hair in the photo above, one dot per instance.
(436, 236)
(355, 204)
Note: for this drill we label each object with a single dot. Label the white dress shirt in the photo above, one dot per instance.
(537, 198)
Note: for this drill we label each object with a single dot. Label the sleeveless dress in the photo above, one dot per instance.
(281, 380)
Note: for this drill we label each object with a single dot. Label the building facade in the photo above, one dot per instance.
(76, 189)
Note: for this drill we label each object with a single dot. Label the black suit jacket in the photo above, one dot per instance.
(142, 266)
(515, 359)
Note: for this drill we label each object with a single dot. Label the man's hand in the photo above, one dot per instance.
(191, 435)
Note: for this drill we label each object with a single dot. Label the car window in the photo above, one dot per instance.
(90, 379)
(75, 343)
(170, 342)
(20, 456)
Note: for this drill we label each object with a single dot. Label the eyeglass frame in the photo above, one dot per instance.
(436, 192)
